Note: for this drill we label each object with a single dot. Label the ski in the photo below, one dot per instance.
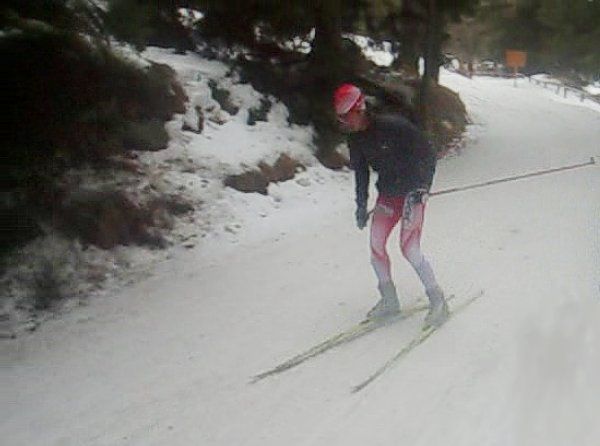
(360, 329)
(421, 337)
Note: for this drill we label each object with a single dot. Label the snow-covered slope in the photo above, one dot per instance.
(168, 360)
(193, 167)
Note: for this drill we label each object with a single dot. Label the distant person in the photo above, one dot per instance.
(405, 163)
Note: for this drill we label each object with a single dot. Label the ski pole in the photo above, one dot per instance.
(591, 162)
(452, 190)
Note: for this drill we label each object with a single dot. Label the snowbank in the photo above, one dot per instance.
(193, 166)
(593, 89)
(378, 53)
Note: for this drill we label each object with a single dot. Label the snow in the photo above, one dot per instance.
(378, 53)
(234, 146)
(593, 89)
(189, 17)
(101, 4)
(544, 77)
(193, 166)
(10, 32)
(128, 53)
(167, 360)
(301, 44)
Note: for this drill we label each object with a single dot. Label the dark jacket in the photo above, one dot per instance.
(397, 150)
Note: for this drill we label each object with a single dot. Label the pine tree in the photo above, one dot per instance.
(573, 33)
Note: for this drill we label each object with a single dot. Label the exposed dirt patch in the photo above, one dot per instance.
(107, 218)
(257, 180)
(334, 160)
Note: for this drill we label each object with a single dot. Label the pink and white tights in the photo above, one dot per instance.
(388, 211)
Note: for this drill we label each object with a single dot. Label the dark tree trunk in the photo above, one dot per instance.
(327, 47)
(327, 68)
(411, 31)
(431, 57)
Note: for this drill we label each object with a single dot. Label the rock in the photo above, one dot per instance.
(284, 169)
(223, 97)
(333, 160)
(177, 97)
(260, 113)
(193, 121)
(252, 181)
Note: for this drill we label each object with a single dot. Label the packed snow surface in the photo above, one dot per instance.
(168, 360)
(593, 88)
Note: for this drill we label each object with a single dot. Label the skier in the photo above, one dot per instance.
(405, 163)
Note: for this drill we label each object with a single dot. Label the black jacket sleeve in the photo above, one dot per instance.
(361, 175)
(426, 162)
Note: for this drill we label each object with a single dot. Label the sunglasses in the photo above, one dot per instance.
(358, 108)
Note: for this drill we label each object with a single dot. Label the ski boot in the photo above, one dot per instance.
(438, 308)
(388, 305)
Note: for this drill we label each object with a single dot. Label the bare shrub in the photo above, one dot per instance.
(46, 285)
(52, 275)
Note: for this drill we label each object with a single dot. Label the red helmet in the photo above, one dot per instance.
(347, 97)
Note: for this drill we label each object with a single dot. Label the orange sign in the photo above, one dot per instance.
(515, 58)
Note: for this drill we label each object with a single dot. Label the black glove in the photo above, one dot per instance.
(418, 196)
(413, 198)
(361, 216)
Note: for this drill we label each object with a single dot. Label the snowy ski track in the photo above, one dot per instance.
(168, 361)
